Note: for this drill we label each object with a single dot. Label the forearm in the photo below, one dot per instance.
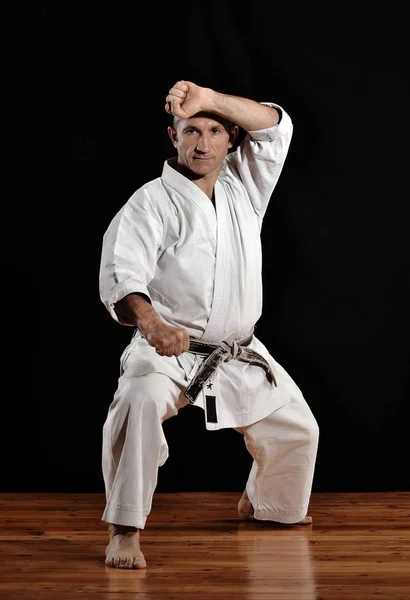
(166, 339)
(186, 99)
(134, 310)
(248, 114)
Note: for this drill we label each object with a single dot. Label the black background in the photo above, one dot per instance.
(335, 238)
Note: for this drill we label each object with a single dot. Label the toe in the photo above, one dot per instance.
(124, 563)
(139, 563)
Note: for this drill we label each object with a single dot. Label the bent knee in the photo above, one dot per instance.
(154, 394)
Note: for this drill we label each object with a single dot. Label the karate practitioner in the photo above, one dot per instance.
(181, 263)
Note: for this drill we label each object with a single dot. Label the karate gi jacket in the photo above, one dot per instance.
(201, 267)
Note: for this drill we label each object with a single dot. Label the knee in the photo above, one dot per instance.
(145, 395)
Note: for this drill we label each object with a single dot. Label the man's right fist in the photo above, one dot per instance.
(166, 339)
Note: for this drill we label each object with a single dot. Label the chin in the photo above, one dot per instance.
(206, 166)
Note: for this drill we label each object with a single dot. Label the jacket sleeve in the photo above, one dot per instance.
(129, 251)
(258, 161)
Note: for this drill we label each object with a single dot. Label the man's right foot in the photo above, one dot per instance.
(123, 550)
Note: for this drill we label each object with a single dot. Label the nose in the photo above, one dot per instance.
(203, 144)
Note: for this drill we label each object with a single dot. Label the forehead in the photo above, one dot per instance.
(204, 121)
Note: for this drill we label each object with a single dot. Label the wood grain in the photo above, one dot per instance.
(52, 547)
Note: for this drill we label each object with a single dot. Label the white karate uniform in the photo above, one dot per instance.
(201, 267)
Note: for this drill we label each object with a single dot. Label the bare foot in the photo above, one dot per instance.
(123, 550)
(245, 510)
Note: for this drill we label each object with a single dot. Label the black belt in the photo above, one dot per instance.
(218, 353)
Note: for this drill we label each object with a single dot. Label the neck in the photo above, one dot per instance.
(206, 184)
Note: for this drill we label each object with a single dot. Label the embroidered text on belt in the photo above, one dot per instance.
(218, 353)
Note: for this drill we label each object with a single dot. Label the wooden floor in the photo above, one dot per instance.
(52, 547)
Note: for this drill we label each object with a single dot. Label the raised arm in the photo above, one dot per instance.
(186, 99)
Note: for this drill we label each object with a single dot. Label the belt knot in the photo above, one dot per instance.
(232, 350)
(218, 353)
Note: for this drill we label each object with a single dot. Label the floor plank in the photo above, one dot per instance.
(196, 547)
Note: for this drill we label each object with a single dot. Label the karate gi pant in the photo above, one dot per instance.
(283, 446)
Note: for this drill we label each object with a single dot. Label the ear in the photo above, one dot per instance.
(233, 134)
(173, 135)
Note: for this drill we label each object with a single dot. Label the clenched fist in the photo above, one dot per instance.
(186, 99)
(166, 339)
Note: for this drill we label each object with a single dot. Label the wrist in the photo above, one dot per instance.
(209, 100)
(147, 322)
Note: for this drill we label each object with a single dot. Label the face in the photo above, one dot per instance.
(202, 143)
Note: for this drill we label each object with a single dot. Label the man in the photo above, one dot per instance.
(181, 262)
